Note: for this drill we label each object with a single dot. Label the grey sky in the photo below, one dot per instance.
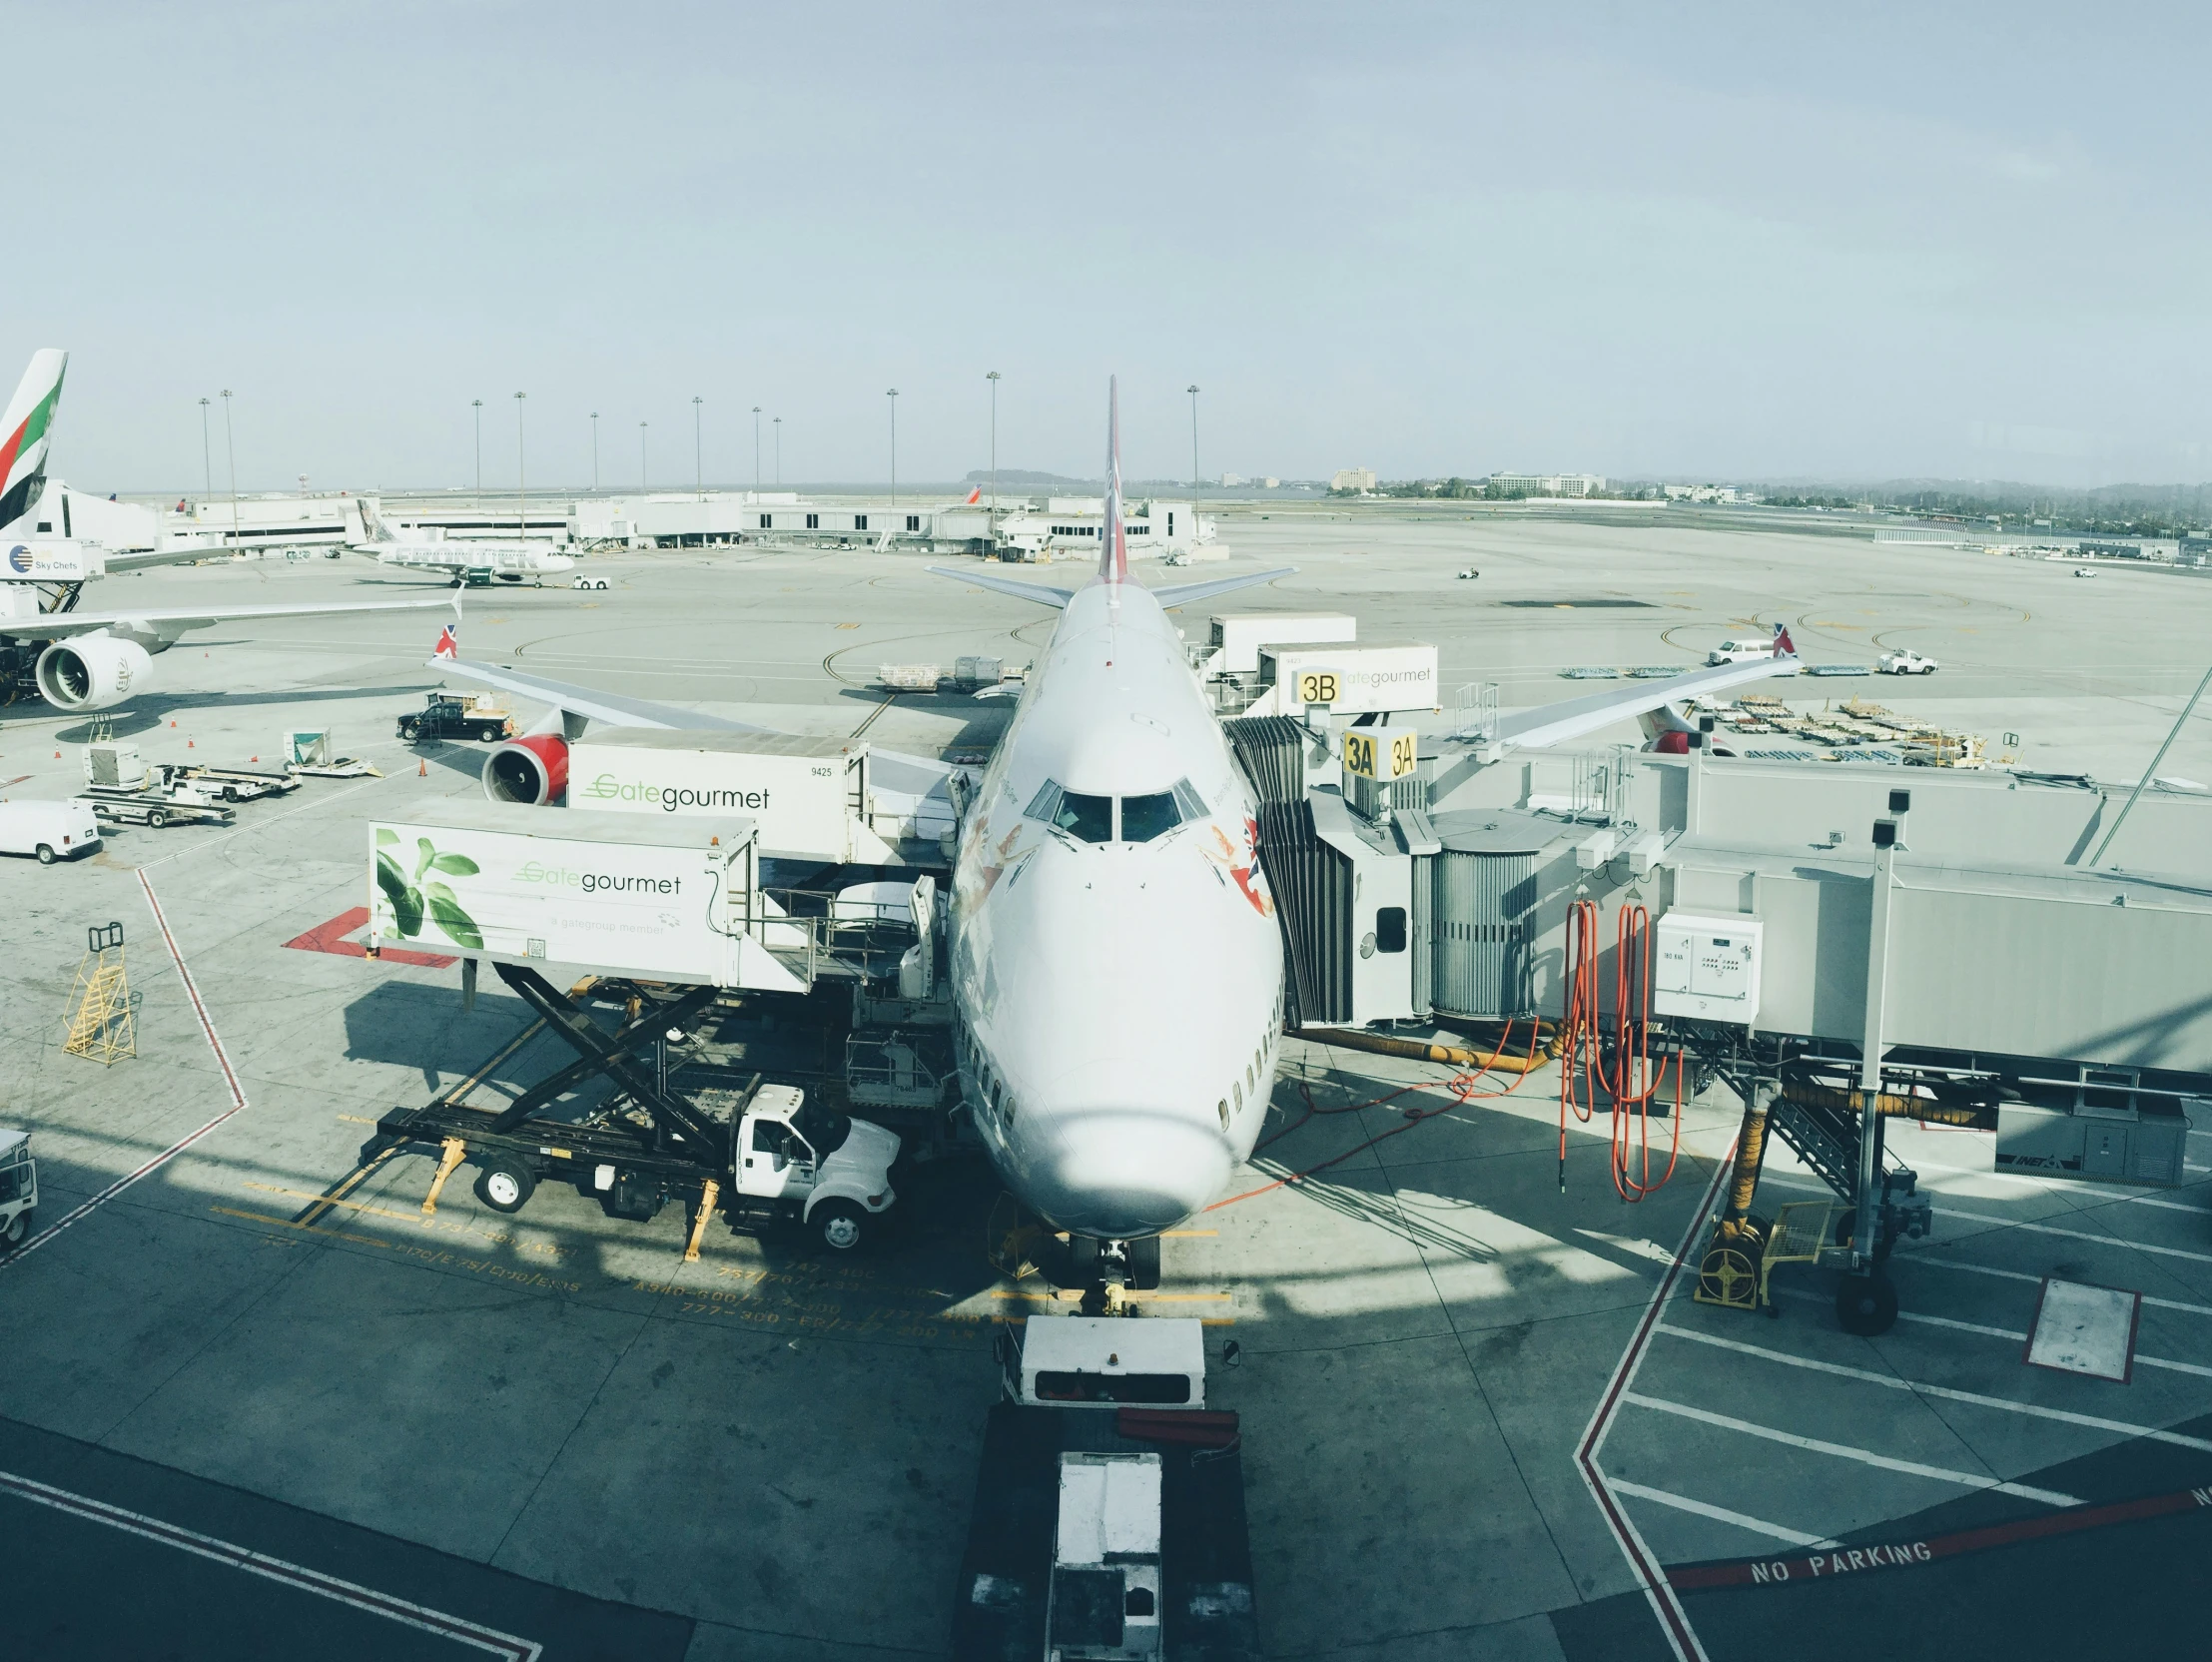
(1728, 240)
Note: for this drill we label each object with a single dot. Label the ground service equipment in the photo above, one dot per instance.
(18, 1189)
(1109, 1518)
(758, 1153)
(447, 715)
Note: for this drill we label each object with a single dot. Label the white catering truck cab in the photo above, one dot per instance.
(837, 1194)
(18, 1189)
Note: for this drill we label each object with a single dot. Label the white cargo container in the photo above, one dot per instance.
(1238, 636)
(1350, 680)
(806, 796)
(673, 899)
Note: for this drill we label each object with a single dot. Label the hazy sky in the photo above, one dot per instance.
(1723, 241)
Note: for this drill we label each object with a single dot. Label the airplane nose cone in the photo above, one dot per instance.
(1120, 1175)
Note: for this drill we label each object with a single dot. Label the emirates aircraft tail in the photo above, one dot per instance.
(24, 430)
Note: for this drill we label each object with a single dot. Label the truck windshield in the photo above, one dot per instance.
(1112, 1388)
(824, 1128)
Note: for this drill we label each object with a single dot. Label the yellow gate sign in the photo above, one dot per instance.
(1363, 757)
(1319, 687)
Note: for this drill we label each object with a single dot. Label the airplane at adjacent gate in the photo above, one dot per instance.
(86, 659)
(1116, 961)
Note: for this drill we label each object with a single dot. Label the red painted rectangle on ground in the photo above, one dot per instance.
(332, 938)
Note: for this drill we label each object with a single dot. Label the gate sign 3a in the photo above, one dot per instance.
(1366, 760)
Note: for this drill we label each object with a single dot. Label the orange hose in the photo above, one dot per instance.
(1627, 1080)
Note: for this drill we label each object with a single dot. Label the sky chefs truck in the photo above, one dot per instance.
(809, 797)
(669, 898)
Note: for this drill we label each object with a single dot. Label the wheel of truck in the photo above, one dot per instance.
(506, 1183)
(230, 793)
(16, 1230)
(157, 817)
(45, 854)
(840, 1225)
(1144, 1264)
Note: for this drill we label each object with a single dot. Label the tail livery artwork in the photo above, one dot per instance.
(23, 433)
(448, 642)
(1117, 964)
(87, 660)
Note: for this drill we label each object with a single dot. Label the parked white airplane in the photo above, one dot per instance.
(92, 659)
(471, 560)
(1117, 967)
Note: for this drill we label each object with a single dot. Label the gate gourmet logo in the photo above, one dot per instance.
(669, 798)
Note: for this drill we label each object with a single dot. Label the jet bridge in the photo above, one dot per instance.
(1850, 944)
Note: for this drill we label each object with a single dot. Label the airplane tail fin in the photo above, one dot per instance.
(1114, 552)
(448, 640)
(24, 430)
(1783, 647)
(974, 496)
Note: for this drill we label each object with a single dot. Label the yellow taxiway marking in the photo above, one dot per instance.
(356, 1119)
(1203, 1320)
(336, 1200)
(1187, 1234)
(288, 1223)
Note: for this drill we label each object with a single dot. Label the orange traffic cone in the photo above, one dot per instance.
(421, 768)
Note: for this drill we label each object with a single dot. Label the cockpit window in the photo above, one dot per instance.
(1087, 818)
(1189, 800)
(1146, 817)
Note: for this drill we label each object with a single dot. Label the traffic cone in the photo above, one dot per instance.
(421, 767)
(172, 724)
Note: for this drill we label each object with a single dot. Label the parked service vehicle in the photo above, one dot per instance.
(2083, 571)
(18, 1189)
(589, 582)
(447, 715)
(180, 805)
(1109, 1514)
(1469, 574)
(1906, 661)
(1740, 651)
(50, 830)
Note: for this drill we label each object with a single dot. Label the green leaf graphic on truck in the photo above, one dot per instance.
(410, 904)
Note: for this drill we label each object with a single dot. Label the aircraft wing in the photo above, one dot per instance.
(894, 770)
(166, 626)
(1045, 594)
(1182, 595)
(612, 708)
(114, 563)
(1556, 723)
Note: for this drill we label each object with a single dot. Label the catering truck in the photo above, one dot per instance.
(1109, 1518)
(668, 898)
(808, 798)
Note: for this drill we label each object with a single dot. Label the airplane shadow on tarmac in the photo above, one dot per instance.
(151, 710)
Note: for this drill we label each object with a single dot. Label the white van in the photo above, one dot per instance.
(51, 830)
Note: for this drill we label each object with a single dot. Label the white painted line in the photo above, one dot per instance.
(229, 1077)
(1933, 1261)
(201, 845)
(276, 1569)
(2079, 1234)
(1666, 1603)
(2080, 1328)
(1845, 1451)
(1719, 1514)
(1889, 1382)
(2015, 1337)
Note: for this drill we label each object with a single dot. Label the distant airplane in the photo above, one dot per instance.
(1117, 964)
(465, 562)
(85, 660)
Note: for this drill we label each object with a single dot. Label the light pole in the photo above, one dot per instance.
(893, 395)
(992, 377)
(641, 485)
(521, 476)
(207, 456)
(594, 450)
(756, 449)
(1193, 390)
(778, 420)
(478, 405)
(229, 451)
(698, 456)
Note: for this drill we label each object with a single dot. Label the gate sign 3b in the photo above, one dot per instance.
(1366, 760)
(1319, 687)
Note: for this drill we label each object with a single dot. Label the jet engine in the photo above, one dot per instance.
(532, 770)
(92, 671)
